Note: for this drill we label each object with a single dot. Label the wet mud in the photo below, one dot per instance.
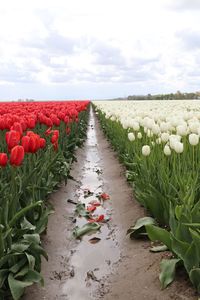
(115, 267)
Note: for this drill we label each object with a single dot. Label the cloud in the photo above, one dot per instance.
(54, 43)
(185, 5)
(189, 38)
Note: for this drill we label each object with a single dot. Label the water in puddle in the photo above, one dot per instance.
(91, 262)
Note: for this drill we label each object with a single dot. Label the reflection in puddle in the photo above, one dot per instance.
(95, 259)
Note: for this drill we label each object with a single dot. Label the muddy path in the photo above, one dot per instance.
(115, 267)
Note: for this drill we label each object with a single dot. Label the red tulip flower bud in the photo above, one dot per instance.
(3, 159)
(25, 142)
(17, 127)
(42, 143)
(12, 138)
(17, 155)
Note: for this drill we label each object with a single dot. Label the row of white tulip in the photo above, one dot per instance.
(168, 123)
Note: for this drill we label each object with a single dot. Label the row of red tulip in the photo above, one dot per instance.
(16, 120)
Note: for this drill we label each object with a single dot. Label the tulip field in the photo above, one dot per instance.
(37, 143)
(159, 144)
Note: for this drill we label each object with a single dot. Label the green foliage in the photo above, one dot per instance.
(168, 187)
(24, 208)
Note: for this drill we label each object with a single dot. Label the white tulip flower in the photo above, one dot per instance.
(149, 133)
(167, 150)
(156, 129)
(131, 136)
(182, 130)
(178, 147)
(136, 126)
(139, 135)
(164, 137)
(146, 150)
(158, 141)
(193, 139)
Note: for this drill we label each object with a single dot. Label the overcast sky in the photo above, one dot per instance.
(64, 49)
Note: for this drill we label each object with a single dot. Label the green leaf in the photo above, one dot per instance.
(168, 268)
(42, 223)
(138, 229)
(31, 260)
(22, 212)
(32, 238)
(193, 225)
(81, 211)
(15, 268)
(38, 250)
(22, 272)
(34, 276)
(179, 247)
(3, 276)
(17, 287)
(25, 224)
(195, 278)
(87, 228)
(20, 247)
(156, 233)
(191, 257)
(196, 240)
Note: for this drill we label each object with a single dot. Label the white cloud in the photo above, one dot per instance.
(98, 47)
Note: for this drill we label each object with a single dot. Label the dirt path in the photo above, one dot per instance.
(115, 267)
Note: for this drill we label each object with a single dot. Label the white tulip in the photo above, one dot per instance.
(158, 141)
(156, 129)
(125, 125)
(178, 147)
(146, 150)
(167, 150)
(194, 127)
(182, 130)
(131, 136)
(193, 139)
(136, 126)
(149, 133)
(164, 137)
(139, 135)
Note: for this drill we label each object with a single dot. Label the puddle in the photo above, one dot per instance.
(91, 262)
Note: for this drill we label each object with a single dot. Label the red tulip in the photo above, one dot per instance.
(34, 143)
(42, 143)
(17, 155)
(55, 146)
(3, 159)
(31, 123)
(25, 142)
(12, 138)
(17, 127)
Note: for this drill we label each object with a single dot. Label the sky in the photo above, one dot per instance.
(98, 49)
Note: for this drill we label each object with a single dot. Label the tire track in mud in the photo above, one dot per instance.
(115, 267)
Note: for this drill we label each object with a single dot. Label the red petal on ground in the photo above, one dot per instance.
(105, 196)
(100, 218)
(95, 203)
(91, 208)
(91, 220)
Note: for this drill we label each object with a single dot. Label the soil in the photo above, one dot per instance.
(115, 267)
